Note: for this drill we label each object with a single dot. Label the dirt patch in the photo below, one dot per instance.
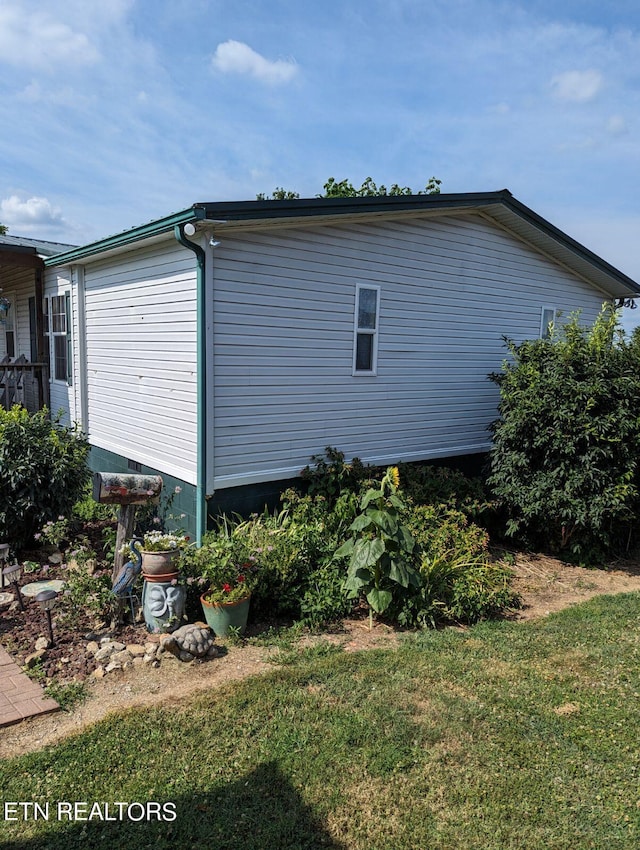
(544, 584)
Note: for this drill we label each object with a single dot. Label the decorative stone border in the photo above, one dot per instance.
(187, 643)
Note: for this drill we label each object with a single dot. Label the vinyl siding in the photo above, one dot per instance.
(141, 357)
(283, 339)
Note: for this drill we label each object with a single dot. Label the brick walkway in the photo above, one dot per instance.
(20, 697)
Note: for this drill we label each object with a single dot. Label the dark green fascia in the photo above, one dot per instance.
(256, 210)
(153, 228)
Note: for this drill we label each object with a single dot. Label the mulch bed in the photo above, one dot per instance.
(68, 659)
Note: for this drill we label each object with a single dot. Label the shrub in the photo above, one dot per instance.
(87, 594)
(565, 456)
(86, 509)
(431, 485)
(329, 476)
(458, 580)
(43, 472)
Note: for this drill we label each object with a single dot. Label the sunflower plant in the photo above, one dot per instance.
(381, 548)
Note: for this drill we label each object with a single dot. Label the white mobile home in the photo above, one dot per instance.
(224, 345)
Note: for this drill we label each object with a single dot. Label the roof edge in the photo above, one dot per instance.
(127, 237)
(300, 207)
(568, 241)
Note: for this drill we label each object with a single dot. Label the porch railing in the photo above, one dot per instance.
(25, 383)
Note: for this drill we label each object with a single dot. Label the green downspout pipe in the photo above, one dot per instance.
(201, 377)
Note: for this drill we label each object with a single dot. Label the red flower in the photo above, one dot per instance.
(226, 588)
(240, 578)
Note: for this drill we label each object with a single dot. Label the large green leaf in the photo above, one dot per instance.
(384, 520)
(370, 496)
(403, 573)
(366, 553)
(345, 550)
(379, 599)
(360, 523)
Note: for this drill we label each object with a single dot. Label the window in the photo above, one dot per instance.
(365, 342)
(10, 327)
(57, 326)
(547, 317)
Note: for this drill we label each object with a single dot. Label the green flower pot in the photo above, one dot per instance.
(223, 616)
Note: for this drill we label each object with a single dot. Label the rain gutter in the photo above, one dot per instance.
(201, 377)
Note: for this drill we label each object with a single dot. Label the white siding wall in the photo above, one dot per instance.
(141, 356)
(283, 339)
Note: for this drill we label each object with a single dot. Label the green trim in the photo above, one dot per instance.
(201, 364)
(145, 231)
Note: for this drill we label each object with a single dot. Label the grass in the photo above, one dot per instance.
(500, 737)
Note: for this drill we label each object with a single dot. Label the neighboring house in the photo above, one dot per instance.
(224, 345)
(26, 346)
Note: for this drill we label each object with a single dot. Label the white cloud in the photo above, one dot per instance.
(36, 40)
(577, 86)
(235, 57)
(34, 215)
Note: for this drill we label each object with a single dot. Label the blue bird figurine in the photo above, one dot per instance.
(130, 572)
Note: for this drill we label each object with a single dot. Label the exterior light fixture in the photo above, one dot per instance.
(189, 229)
(12, 574)
(46, 599)
(214, 242)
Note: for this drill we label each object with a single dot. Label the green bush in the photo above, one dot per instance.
(459, 582)
(564, 462)
(43, 472)
(430, 485)
(86, 509)
(86, 594)
(330, 477)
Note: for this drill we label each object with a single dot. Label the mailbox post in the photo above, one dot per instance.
(126, 490)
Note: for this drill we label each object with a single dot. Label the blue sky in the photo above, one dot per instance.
(121, 111)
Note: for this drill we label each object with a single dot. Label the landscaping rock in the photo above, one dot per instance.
(121, 658)
(136, 650)
(99, 673)
(104, 653)
(93, 647)
(42, 643)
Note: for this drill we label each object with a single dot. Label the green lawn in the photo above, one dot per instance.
(502, 736)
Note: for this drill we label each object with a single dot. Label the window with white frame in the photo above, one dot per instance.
(57, 327)
(547, 318)
(365, 333)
